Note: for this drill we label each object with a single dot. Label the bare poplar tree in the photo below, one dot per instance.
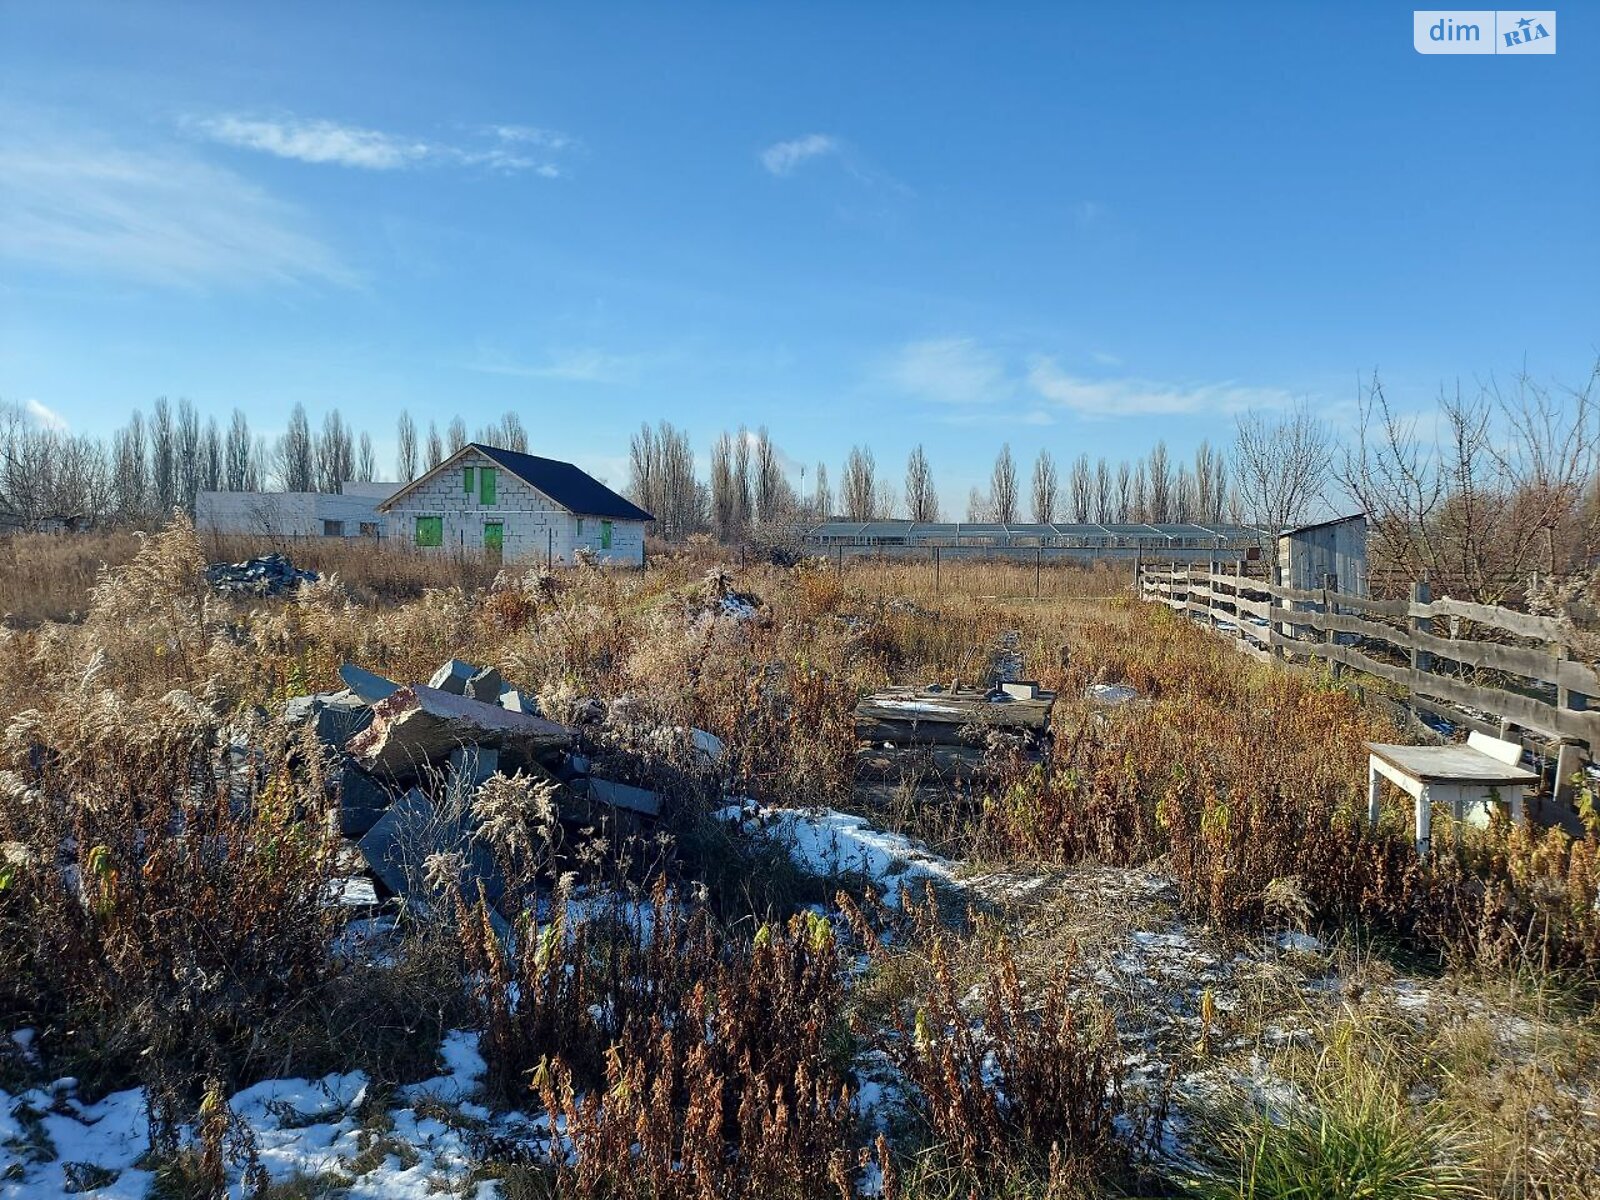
(1003, 486)
(742, 501)
(858, 491)
(405, 454)
(366, 459)
(1046, 488)
(1139, 495)
(822, 496)
(434, 454)
(1124, 492)
(211, 457)
(724, 505)
(1105, 500)
(774, 498)
(979, 510)
(456, 436)
(163, 458)
(186, 454)
(236, 453)
(1080, 489)
(335, 454)
(922, 500)
(296, 455)
(1159, 467)
(131, 470)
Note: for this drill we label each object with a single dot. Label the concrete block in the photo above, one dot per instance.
(418, 727)
(623, 795)
(368, 686)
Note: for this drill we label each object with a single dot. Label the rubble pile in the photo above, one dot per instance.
(409, 757)
(268, 575)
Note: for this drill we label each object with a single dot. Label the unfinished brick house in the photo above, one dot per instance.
(503, 503)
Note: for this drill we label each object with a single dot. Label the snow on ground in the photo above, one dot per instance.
(826, 842)
(52, 1143)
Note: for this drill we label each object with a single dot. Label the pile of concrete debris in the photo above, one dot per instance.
(933, 733)
(409, 758)
(268, 575)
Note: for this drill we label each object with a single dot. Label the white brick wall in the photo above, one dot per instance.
(534, 525)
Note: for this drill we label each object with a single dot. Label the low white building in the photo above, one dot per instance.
(354, 513)
(483, 499)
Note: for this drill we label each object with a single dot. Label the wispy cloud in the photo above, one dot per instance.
(578, 365)
(1138, 397)
(781, 158)
(78, 203)
(955, 370)
(497, 147)
(43, 415)
(973, 384)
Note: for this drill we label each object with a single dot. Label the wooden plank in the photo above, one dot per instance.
(1388, 608)
(1494, 656)
(1523, 710)
(1545, 629)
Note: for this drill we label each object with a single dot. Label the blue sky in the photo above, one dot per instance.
(1073, 226)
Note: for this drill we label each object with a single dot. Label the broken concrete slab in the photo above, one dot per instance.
(362, 800)
(486, 685)
(1021, 689)
(414, 829)
(452, 677)
(420, 726)
(335, 716)
(470, 766)
(625, 795)
(370, 687)
(513, 700)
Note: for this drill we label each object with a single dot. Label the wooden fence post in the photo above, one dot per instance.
(1421, 660)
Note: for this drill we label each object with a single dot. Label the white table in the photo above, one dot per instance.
(1468, 778)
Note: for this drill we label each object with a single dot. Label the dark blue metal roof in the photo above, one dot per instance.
(569, 486)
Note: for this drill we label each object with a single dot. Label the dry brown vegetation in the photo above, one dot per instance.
(167, 846)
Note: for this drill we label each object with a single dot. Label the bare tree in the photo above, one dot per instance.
(186, 454)
(1507, 489)
(1124, 491)
(1211, 483)
(922, 501)
(1280, 466)
(434, 454)
(858, 491)
(405, 455)
(1104, 498)
(1003, 486)
(296, 453)
(724, 507)
(1159, 467)
(163, 458)
(774, 498)
(131, 470)
(1080, 489)
(1139, 495)
(979, 510)
(335, 454)
(456, 436)
(210, 476)
(822, 496)
(1046, 488)
(366, 459)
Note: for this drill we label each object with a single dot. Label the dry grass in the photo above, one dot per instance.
(151, 870)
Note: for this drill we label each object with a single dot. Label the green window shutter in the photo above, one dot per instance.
(580, 526)
(466, 480)
(494, 535)
(430, 531)
(605, 535)
(486, 477)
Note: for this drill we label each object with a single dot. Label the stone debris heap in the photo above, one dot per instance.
(269, 575)
(408, 758)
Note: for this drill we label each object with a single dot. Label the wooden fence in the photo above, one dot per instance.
(1480, 673)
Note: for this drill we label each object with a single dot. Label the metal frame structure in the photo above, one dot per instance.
(1057, 535)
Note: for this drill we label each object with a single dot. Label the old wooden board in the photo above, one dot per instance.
(1451, 764)
(914, 716)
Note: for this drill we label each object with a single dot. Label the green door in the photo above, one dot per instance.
(605, 535)
(494, 535)
(430, 531)
(486, 486)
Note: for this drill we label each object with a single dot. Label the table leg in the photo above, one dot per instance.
(1374, 786)
(1424, 820)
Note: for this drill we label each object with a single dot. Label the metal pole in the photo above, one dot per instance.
(549, 547)
(1038, 570)
(936, 570)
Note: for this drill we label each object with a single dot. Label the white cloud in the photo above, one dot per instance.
(499, 147)
(44, 415)
(76, 203)
(976, 385)
(1137, 397)
(950, 371)
(781, 158)
(580, 365)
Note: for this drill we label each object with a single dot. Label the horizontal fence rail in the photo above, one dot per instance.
(1542, 688)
